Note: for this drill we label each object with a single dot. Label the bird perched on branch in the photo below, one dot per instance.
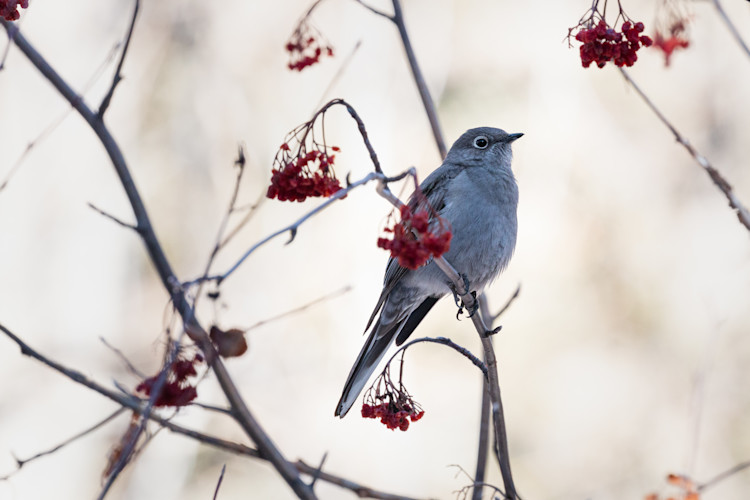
(475, 193)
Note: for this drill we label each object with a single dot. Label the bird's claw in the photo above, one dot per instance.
(460, 303)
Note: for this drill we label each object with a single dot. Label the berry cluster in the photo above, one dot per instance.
(305, 47)
(413, 241)
(304, 175)
(177, 389)
(9, 8)
(390, 402)
(602, 44)
(391, 415)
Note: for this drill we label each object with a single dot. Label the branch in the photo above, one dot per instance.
(376, 11)
(301, 308)
(731, 26)
(424, 92)
(293, 227)
(493, 317)
(447, 342)
(742, 213)
(72, 439)
(137, 406)
(168, 278)
(112, 217)
(117, 78)
(221, 478)
(720, 477)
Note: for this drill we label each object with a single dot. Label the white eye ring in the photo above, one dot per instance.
(481, 142)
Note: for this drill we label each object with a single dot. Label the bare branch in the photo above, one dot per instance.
(301, 308)
(117, 77)
(52, 126)
(123, 358)
(742, 213)
(135, 404)
(493, 317)
(376, 11)
(343, 67)
(424, 92)
(170, 282)
(731, 26)
(447, 342)
(720, 477)
(72, 439)
(221, 478)
(318, 470)
(112, 218)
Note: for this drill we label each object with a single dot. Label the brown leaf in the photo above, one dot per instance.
(230, 343)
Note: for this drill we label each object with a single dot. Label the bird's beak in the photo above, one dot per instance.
(513, 137)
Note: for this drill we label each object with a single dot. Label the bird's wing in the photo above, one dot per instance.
(432, 190)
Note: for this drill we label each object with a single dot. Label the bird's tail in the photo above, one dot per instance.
(373, 351)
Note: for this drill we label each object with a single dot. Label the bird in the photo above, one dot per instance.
(475, 192)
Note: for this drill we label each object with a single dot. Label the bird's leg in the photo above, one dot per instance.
(459, 302)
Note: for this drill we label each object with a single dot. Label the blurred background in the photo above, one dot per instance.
(626, 356)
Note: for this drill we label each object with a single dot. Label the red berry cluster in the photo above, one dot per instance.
(9, 8)
(390, 402)
(305, 47)
(308, 174)
(177, 389)
(602, 44)
(391, 415)
(413, 241)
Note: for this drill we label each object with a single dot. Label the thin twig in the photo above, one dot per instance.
(101, 423)
(376, 11)
(477, 485)
(118, 77)
(112, 217)
(301, 308)
(424, 92)
(731, 26)
(336, 77)
(720, 477)
(221, 478)
(220, 240)
(123, 358)
(10, 31)
(493, 317)
(447, 342)
(319, 470)
(251, 211)
(742, 213)
(52, 126)
(169, 280)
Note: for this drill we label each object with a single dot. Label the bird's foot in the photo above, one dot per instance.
(460, 303)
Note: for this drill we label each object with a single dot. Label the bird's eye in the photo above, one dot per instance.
(481, 142)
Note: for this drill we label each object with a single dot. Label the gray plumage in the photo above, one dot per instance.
(475, 192)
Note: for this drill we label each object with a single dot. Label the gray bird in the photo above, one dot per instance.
(475, 192)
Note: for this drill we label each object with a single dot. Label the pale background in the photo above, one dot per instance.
(626, 357)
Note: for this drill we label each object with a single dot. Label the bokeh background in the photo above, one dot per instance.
(626, 357)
